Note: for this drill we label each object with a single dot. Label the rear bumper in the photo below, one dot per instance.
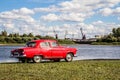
(17, 56)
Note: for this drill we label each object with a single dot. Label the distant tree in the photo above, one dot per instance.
(11, 35)
(4, 33)
(18, 40)
(2, 39)
(48, 37)
(112, 37)
(38, 36)
(30, 35)
(24, 35)
(116, 32)
(16, 35)
(118, 39)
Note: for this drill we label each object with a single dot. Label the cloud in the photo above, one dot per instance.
(25, 11)
(109, 11)
(106, 11)
(66, 16)
(116, 11)
(51, 8)
(103, 28)
(21, 14)
(17, 20)
(50, 17)
(74, 17)
(76, 10)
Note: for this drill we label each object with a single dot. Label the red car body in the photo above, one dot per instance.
(37, 50)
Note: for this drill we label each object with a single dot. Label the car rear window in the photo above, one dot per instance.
(31, 44)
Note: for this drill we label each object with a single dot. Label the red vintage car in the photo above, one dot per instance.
(38, 50)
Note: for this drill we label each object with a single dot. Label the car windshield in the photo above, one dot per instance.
(31, 44)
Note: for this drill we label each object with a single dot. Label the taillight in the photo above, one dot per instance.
(21, 51)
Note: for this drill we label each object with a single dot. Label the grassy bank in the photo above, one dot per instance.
(105, 43)
(77, 70)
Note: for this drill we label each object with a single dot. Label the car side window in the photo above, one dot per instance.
(54, 44)
(44, 45)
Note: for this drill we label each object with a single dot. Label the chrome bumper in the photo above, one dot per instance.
(17, 56)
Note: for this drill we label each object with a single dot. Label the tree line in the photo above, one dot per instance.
(112, 37)
(17, 38)
(23, 38)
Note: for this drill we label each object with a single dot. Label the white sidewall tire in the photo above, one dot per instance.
(69, 57)
(37, 59)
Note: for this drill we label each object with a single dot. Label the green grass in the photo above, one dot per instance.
(76, 70)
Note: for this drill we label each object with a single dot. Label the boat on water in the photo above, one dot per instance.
(85, 41)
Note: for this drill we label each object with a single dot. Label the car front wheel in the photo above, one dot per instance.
(69, 57)
(37, 59)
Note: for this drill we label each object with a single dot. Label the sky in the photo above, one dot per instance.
(43, 17)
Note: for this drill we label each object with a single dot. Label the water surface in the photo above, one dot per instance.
(84, 52)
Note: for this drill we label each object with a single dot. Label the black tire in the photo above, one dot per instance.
(37, 59)
(23, 60)
(69, 57)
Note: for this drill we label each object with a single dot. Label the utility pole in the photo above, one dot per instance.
(56, 35)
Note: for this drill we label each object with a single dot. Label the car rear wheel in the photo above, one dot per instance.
(37, 59)
(69, 57)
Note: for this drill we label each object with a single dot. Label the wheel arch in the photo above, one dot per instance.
(39, 55)
(70, 53)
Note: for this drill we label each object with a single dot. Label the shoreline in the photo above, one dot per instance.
(105, 43)
(12, 44)
(94, 43)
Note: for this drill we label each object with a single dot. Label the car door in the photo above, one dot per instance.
(45, 49)
(56, 50)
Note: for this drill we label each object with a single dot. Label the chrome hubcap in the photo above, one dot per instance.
(69, 57)
(37, 59)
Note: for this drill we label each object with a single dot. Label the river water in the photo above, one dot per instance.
(84, 52)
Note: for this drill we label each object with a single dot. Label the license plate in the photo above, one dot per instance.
(16, 53)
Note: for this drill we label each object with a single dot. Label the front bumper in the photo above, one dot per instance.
(75, 56)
